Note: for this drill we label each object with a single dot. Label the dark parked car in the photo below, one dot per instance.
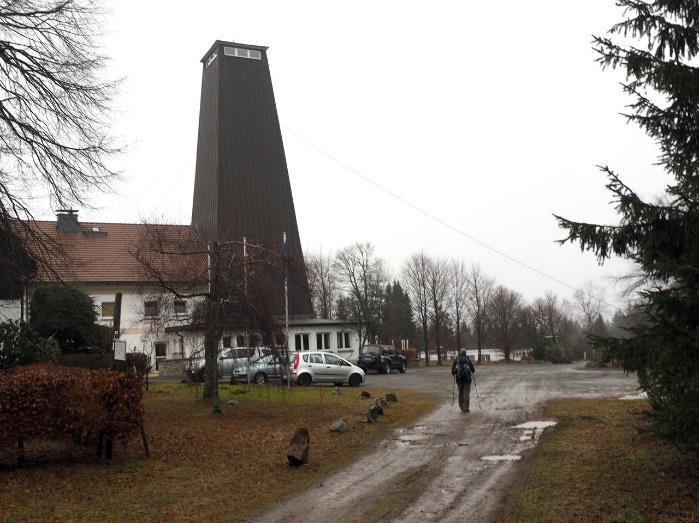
(382, 358)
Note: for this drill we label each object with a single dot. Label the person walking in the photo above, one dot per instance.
(463, 370)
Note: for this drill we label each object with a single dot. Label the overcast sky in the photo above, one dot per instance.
(487, 115)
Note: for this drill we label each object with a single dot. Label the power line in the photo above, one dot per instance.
(428, 214)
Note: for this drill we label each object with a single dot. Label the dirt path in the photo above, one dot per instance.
(434, 471)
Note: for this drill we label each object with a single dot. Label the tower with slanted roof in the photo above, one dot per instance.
(242, 186)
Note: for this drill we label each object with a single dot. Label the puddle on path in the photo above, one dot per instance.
(411, 437)
(504, 457)
(631, 397)
(534, 425)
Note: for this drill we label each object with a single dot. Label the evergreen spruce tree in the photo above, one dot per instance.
(661, 237)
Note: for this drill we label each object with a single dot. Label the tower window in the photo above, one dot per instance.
(242, 53)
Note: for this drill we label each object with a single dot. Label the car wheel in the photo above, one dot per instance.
(304, 380)
(355, 380)
(260, 378)
(387, 369)
(403, 367)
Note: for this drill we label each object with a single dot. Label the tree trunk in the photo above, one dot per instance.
(436, 330)
(425, 343)
(211, 364)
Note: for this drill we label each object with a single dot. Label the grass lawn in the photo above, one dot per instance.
(203, 466)
(599, 464)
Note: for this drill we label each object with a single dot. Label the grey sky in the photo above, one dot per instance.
(490, 116)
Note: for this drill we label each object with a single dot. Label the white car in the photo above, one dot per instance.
(325, 367)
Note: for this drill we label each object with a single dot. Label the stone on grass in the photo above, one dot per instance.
(379, 407)
(390, 396)
(339, 425)
(232, 402)
(373, 412)
(299, 447)
(365, 394)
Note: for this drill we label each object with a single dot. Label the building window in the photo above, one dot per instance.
(180, 307)
(151, 309)
(107, 309)
(161, 349)
(343, 340)
(301, 342)
(240, 341)
(226, 342)
(323, 341)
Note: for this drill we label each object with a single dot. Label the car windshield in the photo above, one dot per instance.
(371, 349)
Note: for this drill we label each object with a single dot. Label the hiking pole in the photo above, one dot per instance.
(453, 386)
(476, 388)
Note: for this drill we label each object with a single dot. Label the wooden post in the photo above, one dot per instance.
(146, 449)
(20, 449)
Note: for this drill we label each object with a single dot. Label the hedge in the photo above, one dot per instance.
(46, 400)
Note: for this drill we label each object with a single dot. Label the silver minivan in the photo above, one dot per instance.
(325, 367)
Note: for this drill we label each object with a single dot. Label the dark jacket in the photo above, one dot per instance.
(465, 360)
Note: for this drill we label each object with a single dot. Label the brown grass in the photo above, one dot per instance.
(203, 466)
(601, 464)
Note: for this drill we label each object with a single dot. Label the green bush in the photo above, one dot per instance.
(66, 314)
(20, 345)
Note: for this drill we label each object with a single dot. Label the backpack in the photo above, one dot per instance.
(463, 373)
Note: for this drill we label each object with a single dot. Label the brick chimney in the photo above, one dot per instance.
(67, 221)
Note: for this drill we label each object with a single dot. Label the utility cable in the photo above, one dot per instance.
(430, 215)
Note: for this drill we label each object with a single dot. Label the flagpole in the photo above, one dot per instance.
(286, 309)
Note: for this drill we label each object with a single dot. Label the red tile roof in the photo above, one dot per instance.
(126, 253)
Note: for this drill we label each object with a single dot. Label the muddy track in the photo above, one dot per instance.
(433, 470)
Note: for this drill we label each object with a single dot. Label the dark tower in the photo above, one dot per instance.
(241, 187)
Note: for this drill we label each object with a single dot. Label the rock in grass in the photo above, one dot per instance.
(379, 407)
(339, 425)
(299, 447)
(232, 402)
(365, 394)
(373, 412)
(390, 396)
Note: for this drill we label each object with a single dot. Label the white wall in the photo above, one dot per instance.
(351, 354)
(10, 310)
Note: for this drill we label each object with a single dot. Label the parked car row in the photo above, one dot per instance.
(228, 361)
(261, 364)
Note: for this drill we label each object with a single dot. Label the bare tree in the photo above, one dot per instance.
(590, 300)
(322, 282)
(504, 314)
(414, 276)
(362, 276)
(54, 112)
(437, 291)
(232, 292)
(551, 315)
(480, 293)
(458, 295)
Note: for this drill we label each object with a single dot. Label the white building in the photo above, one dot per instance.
(101, 259)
